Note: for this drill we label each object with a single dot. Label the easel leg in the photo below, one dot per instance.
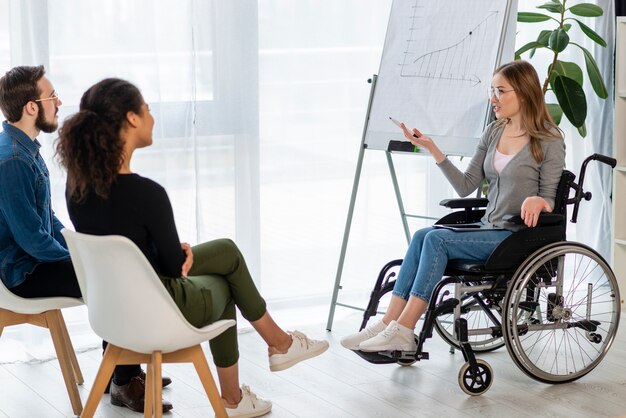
(346, 235)
(396, 188)
(355, 187)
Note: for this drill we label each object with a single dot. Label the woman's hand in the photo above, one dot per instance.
(419, 139)
(531, 208)
(188, 260)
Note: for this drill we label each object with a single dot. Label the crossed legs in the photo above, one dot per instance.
(278, 341)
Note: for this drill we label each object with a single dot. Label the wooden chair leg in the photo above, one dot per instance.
(78, 375)
(111, 356)
(202, 368)
(157, 360)
(54, 319)
(3, 319)
(148, 403)
(8, 318)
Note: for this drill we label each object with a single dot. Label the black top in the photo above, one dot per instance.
(139, 209)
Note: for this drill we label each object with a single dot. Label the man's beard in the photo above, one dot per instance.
(43, 125)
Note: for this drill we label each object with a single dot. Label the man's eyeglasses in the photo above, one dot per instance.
(54, 97)
(497, 92)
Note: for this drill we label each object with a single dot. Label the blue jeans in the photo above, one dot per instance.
(429, 252)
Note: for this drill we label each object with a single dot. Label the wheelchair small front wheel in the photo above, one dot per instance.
(476, 381)
(406, 362)
(476, 317)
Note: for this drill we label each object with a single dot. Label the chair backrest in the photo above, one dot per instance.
(127, 303)
(518, 246)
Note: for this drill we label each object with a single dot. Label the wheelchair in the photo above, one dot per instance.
(553, 303)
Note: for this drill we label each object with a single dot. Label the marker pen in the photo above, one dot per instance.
(397, 122)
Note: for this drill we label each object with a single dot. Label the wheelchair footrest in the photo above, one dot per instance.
(387, 357)
(585, 324)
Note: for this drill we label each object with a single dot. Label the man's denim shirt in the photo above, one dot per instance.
(30, 233)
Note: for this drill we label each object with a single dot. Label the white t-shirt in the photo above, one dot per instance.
(501, 160)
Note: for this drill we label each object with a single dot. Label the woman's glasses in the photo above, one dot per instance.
(497, 92)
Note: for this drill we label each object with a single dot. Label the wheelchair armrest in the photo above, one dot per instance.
(545, 219)
(475, 202)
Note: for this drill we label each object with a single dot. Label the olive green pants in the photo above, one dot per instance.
(218, 281)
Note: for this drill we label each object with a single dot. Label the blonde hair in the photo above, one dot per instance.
(536, 119)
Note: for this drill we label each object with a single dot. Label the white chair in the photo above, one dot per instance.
(130, 308)
(46, 313)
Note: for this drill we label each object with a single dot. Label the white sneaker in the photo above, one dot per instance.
(394, 337)
(301, 348)
(250, 405)
(352, 341)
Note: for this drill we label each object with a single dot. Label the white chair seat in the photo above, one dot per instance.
(46, 312)
(12, 302)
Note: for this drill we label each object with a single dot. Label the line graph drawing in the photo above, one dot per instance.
(457, 62)
(436, 60)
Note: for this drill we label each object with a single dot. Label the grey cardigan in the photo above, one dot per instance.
(521, 177)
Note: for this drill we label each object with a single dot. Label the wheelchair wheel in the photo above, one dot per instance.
(406, 363)
(475, 383)
(562, 312)
(476, 317)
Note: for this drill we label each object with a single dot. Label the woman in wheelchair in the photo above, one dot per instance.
(522, 156)
(208, 281)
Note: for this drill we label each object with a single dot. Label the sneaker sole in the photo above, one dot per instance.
(256, 413)
(353, 347)
(350, 347)
(282, 366)
(388, 348)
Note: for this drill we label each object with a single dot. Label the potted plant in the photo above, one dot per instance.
(565, 79)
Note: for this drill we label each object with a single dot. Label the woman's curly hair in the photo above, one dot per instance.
(89, 144)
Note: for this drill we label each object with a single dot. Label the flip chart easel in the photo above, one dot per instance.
(436, 67)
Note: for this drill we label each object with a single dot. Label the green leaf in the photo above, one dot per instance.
(569, 70)
(551, 7)
(529, 45)
(595, 77)
(558, 40)
(582, 130)
(586, 10)
(556, 112)
(591, 34)
(567, 26)
(529, 17)
(543, 37)
(572, 100)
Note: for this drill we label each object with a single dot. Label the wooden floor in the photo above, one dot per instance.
(339, 384)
